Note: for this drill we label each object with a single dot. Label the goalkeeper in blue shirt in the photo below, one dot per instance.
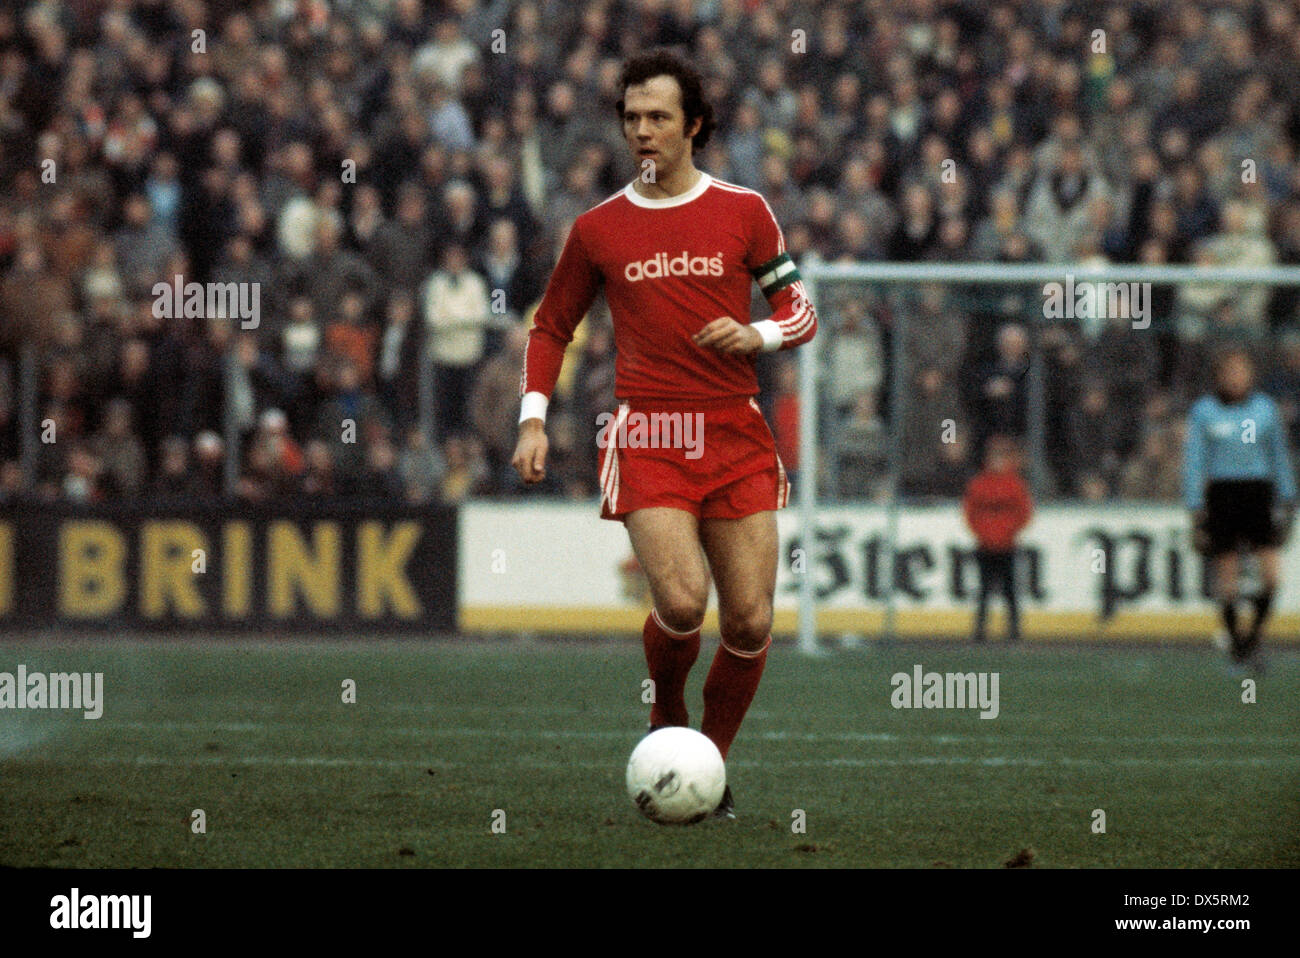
(1238, 484)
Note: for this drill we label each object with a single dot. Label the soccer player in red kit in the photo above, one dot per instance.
(688, 463)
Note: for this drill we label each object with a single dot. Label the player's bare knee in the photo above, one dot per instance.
(683, 612)
(747, 629)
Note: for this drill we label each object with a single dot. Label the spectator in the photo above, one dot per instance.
(351, 336)
(173, 480)
(1059, 204)
(1155, 473)
(997, 507)
(515, 281)
(1001, 398)
(332, 271)
(32, 295)
(466, 471)
(576, 195)
(302, 337)
(345, 423)
(931, 423)
(420, 467)
(853, 357)
(1237, 245)
(120, 453)
(143, 245)
(448, 120)
(135, 383)
(209, 462)
(462, 223)
(365, 221)
(318, 474)
(745, 144)
(502, 199)
(1002, 222)
(397, 363)
(283, 454)
(1195, 211)
(492, 408)
(82, 483)
(1124, 360)
(456, 313)
(243, 264)
(382, 481)
(917, 232)
(1093, 432)
(401, 248)
(1283, 384)
(863, 450)
(946, 476)
(937, 330)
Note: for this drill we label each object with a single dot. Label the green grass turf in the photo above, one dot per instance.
(444, 733)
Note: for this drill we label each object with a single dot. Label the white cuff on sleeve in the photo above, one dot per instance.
(771, 333)
(533, 406)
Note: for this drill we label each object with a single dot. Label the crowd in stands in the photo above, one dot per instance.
(397, 178)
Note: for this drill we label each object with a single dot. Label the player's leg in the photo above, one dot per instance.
(1227, 567)
(1269, 574)
(667, 545)
(984, 561)
(1007, 562)
(1222, 529)
(742, 556)
(1262, 535)
(997, 581)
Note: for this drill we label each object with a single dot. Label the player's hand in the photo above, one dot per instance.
(1200, 532)
(529, 459)
(728, 336)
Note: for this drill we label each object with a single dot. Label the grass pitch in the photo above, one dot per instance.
(444, 734)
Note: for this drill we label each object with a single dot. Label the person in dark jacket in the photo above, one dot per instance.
(997, 506)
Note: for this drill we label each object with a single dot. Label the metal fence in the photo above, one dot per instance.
(1197, 304)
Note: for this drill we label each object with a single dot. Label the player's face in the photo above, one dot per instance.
(1235, 376)
(653, 124)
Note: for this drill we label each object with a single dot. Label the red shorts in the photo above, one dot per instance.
(714, 459)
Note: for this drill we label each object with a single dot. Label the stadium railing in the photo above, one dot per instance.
(977, 282)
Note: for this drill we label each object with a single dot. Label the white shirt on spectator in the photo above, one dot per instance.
(456, 309)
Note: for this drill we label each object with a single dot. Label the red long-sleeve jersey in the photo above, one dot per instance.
(669, 267)
(997, 506)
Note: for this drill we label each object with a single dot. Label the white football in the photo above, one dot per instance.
(676, 776)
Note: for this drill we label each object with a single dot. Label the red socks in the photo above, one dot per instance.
(728, 690)
(670, 656)
(730, 687)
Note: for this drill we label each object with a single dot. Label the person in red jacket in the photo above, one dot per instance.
(997, 506)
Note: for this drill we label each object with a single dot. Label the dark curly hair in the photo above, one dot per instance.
(653, 63)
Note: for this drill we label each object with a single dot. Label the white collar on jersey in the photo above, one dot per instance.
(665, 202)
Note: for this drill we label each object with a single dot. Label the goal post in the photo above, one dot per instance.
(1036, 279)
